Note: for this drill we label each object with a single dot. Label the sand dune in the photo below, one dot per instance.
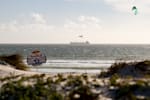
(7, 70)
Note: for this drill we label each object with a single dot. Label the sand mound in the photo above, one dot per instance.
(6, 70)
(134, 69)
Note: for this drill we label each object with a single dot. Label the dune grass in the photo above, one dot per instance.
(133, 69)
(15, 60)
(39, 87)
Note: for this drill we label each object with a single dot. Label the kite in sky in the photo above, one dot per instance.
(135, 10)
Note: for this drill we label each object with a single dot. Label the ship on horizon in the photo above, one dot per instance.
(80, 43)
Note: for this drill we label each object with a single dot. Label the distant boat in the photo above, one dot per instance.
(36, 58)
(80, 43)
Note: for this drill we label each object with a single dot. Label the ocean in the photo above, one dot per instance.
(79, 58)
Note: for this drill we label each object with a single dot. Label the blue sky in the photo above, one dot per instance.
(62, 21)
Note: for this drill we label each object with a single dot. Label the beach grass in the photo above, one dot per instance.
(15, 60)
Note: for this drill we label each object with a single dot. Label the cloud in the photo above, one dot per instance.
(34, 24)
(36, 29)
(83, 24)
(126, 5)
(33, 28)
(38, 18)
(88, 26)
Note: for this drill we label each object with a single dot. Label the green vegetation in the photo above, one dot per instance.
(60, 78)
(138, 91)
(15, 60)
(132, 69)
(144, 66)
(130, 81)
(83, 92)
(123, 81)
(113, 79)
(36, 88)
(74, 81)
(41, 87)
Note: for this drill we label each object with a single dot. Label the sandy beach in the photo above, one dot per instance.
(79, 86)
(9, 71)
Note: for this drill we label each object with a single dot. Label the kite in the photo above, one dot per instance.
(135, 10)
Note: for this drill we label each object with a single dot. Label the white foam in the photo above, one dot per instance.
(90, 66)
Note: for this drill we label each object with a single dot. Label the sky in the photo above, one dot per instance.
(63, 21)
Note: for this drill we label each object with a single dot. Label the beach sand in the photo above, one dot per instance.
(8, 71)
(104, 88)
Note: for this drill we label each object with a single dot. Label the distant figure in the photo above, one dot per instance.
(36, 58)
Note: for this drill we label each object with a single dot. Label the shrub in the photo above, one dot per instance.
(116, 67)
(40, 89)
(74, 81)
(143, 66)
(132, 69)
(83, 92)
(113, 79)
(131, 92)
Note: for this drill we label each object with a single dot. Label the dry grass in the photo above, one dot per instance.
(15, 60)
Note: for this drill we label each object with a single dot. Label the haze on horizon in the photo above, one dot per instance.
(62, 21)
